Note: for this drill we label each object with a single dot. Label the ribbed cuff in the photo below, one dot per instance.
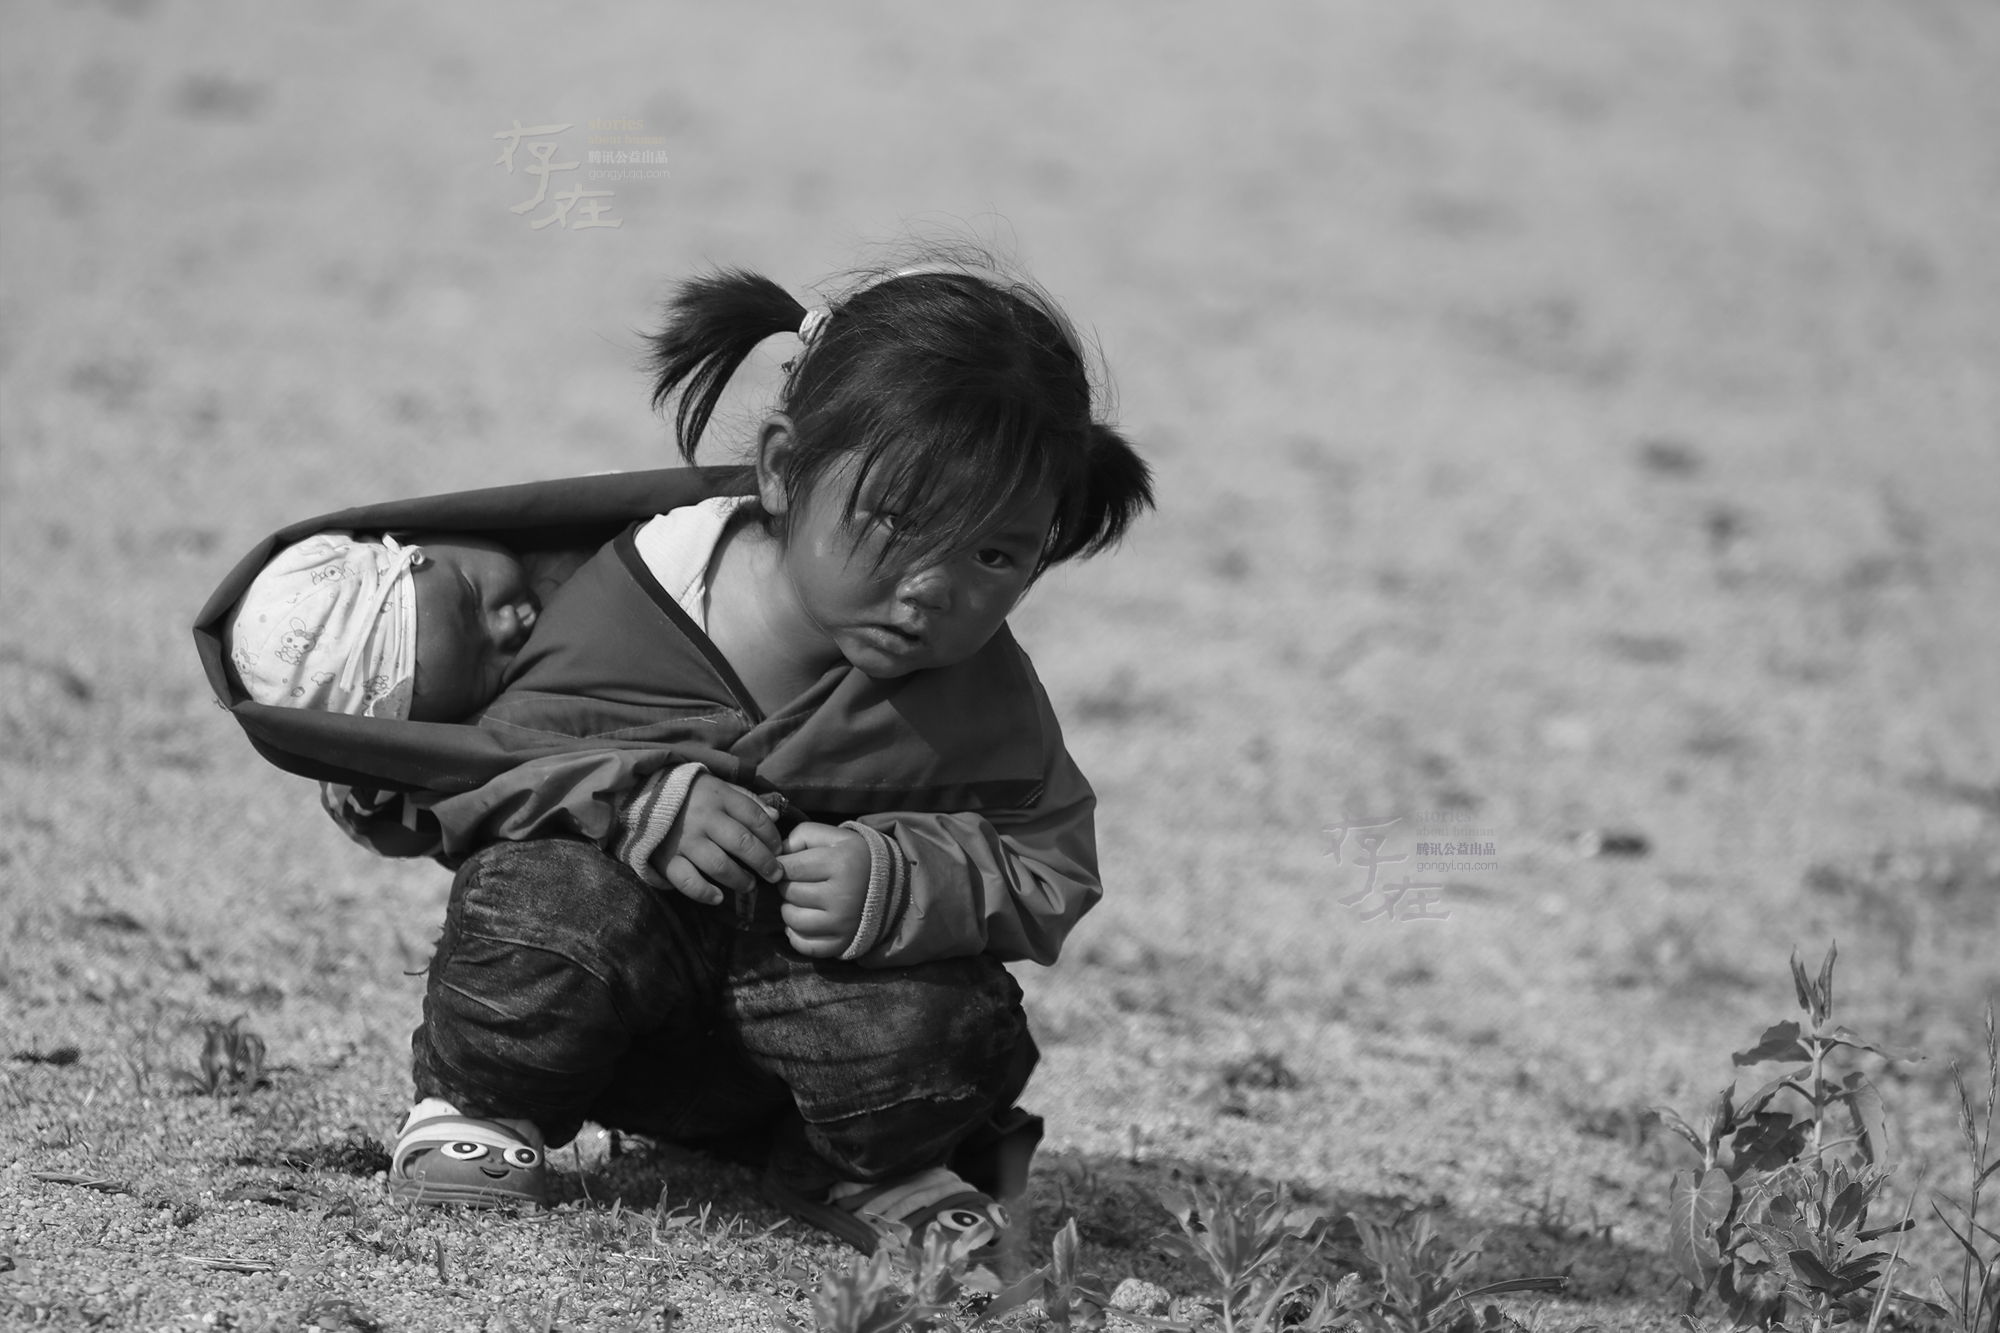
(888, 890)
(645, 820)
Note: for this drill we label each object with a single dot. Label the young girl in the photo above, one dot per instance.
(837, 640)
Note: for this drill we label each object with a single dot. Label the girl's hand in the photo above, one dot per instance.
(826, 887)
(723, 838)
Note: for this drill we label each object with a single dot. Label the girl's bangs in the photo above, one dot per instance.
(947, 483)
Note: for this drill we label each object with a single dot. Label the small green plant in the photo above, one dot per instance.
(1972, 1304)
(1776, 1220)
(1253, 1252)
(1417, 1280)
(232, 1059)
(867, 1296)
(1241, 1247)
(907, 1284)
(1070, 1298)
(1420, 1282)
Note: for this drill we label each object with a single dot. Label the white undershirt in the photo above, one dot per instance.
(679, 545)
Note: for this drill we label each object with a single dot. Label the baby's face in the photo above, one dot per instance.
(474, 611)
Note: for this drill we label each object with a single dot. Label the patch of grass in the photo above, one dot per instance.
(1253, 1254)
(1420, 1284)
(60, 1057)
(1971, 1297)
(1775, 1222)
(361, 1155)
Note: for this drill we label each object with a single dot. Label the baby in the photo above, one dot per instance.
(421, 628)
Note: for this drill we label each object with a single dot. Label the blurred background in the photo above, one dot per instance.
(1575, 422)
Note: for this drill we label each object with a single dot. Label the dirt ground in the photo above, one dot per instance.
(1574, 422)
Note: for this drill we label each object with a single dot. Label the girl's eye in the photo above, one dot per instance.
(994, 558)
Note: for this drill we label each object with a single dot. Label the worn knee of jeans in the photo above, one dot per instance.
(553, 959)
(922, 1132)
(850, 1041)
(889, 1069)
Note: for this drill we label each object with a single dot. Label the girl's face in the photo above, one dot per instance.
(891, 617)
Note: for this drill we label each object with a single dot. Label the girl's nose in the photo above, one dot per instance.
(927, 588)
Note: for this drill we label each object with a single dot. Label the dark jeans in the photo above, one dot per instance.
(565, 989)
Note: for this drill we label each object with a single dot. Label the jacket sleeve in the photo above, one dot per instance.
(624, 800)
(385, 822)
(1008, 883)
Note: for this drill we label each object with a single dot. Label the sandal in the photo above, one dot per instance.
(444, 1157)
(866, 1215)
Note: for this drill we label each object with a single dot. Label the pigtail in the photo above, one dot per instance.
(712, 324)
(1117, 488)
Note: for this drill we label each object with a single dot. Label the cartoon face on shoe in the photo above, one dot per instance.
(965, 1221)
(960, 1219)
(461, 1170)
(495, 1164)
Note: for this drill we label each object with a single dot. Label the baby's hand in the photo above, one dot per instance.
(826, 886)
(723, 838)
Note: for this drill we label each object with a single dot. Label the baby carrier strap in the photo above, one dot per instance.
(574, 512)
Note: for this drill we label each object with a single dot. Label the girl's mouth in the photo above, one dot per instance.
(895, 639)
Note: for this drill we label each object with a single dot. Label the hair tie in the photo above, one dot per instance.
(815, 320)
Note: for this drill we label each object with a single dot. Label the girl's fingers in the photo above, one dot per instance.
(814, 895)
(807, 836)
(717, 864)
(746, 846)
(684, 877)
(810, 923)
(806, 865)
(748, 811)
(815, 948)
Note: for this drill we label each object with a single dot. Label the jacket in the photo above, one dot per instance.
(979, 823)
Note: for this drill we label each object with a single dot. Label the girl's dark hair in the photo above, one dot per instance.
(958, 395)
